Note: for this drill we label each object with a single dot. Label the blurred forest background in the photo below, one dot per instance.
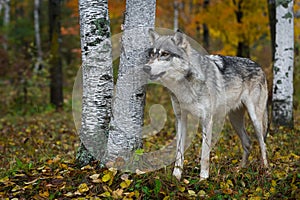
(38, 139)
(222, 27)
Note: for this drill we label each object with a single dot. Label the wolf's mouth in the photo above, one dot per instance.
(154, 77)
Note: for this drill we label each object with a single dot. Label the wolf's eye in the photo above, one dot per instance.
(151, 54)
(165, 54)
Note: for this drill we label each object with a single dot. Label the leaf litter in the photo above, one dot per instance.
(37, 162)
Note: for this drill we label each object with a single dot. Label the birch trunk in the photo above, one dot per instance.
(1, 6)
(37, 35)
(126, 126)
(6, 21)
(284, 64)
(97, 78)
(6, 12)
(176, 15)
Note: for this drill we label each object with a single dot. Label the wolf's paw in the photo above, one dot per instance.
(203, 175)
(177, 173)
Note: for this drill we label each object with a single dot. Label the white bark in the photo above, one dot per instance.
(37, 34)
(6, 12)
(6, 20)
(176, 14)
(97, 75)
(126, 126)
(283, 66)
(1, 5)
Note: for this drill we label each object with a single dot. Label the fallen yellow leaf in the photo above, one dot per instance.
(105, 194)
(181, 188)
(83, 187)
(192, 192)
(106, 177)
(125, 184)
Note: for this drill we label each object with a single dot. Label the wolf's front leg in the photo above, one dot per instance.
(180, 136)
(206, 147)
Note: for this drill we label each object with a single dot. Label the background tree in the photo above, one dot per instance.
(56, 76)
(97, 77)
(283, 90)
(272, 22)
(6, 21)
(236, 27)
(243, 49)
(205, 28)
(37, 34)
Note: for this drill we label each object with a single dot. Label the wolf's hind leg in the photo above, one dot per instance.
(257, 115)
(237, 119)
(180, 137)
(206, 147)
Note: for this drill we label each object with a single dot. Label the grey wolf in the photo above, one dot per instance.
(205, 86)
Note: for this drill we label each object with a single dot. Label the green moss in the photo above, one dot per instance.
(284, 3)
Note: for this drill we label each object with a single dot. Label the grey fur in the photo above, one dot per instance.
(208, 86)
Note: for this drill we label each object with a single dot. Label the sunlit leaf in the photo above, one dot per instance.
(106, 177)
(181, 188)
(125, 184)
(94, 176)
(82, 188)
(192, 193)
(105, 194)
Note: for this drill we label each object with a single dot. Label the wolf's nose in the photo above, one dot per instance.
(147, 68)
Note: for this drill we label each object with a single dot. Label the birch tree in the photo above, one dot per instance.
(6, 12)
(37, 34)
(126, 126)
(97, 78)
(1, 5)
(283, 65)
(6, 20)
(176, 15)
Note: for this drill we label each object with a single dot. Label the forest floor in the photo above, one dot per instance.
(38, 162)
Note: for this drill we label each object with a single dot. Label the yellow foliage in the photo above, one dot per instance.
(221, 18)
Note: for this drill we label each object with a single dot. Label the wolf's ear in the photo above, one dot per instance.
(180, 40)
(153, 35)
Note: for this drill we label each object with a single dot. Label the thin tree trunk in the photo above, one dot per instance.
(1, 6)
(205, 29)
(56, 82)
(37, 35)
(6, 12)
(272, 21)
(284, 65)
(6, 21)
(97, 77)
(243, 49)
(176, 15)
(126, 126)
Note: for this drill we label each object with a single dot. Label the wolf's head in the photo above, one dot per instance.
(168, 57)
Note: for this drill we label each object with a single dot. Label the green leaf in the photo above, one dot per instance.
(139, 152)
(157, 186)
